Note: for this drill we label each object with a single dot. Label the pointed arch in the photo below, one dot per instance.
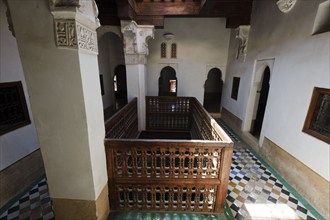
(167, 82)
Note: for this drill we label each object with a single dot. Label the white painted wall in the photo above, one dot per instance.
(301, 62)
(201, 45)
(20, 142)
(111, 54)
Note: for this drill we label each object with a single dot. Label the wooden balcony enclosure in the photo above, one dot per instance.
(171, 175)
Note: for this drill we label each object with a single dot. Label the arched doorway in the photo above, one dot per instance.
(213, 90)
(167, 82)
(120, 86)
(263, 90)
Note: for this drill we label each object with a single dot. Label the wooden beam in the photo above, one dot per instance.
(168, 8)
(125, 10)
(234, 22)
(157, 21)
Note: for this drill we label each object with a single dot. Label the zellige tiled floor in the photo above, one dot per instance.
(255, 191)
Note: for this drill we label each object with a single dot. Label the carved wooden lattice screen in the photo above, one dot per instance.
(168, 113)
(168, 176)
(124, 124)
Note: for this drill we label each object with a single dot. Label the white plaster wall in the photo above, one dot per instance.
(301, 61)
(95, 121)
(111, 54)
(201, 45)
(20, 142)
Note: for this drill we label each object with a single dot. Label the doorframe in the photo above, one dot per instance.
(253, 100)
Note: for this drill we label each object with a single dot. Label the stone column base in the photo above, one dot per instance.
(83, 209)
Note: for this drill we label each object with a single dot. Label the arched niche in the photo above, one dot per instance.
(213, 90)
(167, 82)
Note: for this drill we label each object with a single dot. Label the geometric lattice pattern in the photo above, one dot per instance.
(252, 184)
(187, 197)
(35, 204)
(167, 162)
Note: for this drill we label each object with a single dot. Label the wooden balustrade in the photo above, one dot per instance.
(168, 175)
(124, 124)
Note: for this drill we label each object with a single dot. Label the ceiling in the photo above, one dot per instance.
(153, 12)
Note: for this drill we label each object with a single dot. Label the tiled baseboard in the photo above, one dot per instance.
(15, 178)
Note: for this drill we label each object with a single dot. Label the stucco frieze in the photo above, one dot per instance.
(65, 33)
(71, 34)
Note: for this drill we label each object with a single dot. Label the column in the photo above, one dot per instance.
(136, 51)
(58, 49)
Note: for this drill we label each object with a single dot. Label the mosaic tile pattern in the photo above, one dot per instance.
(251, 184)
(35, 204)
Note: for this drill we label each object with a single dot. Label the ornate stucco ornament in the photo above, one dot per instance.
(285, 5)
(75, 22)
(135, 41)
(242, 33)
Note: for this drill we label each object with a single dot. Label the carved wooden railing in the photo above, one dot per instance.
(124, 124)
(169, 175)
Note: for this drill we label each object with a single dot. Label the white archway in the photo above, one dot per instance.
(259, 68)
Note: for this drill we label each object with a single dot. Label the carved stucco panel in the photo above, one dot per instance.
(87, 39)
(65, 33)
(70, 34)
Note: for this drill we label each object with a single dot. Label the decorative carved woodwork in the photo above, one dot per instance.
(237, 12)
(124, 124)
(168, 175)
(163, 50)
(173, 50)
(317, 122)
(13, 109)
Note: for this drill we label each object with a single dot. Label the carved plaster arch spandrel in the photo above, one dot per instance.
(286, 6)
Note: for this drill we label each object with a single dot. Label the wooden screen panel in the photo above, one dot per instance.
(124, 124)
(151, 161)
(13, 109)
(317, 122)
(166, 197)
(168, 113)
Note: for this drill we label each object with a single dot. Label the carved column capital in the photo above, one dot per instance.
(75, 23)
(135, 41)
(242, 33)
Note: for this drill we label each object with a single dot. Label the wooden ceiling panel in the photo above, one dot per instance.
(152, 12)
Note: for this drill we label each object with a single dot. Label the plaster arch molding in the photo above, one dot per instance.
(259, 68)
(104, 29)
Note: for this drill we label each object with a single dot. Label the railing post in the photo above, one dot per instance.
(226, 156)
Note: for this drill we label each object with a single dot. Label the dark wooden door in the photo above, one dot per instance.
(262, 103)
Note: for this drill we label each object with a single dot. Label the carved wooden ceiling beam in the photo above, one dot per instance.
(168, 8)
